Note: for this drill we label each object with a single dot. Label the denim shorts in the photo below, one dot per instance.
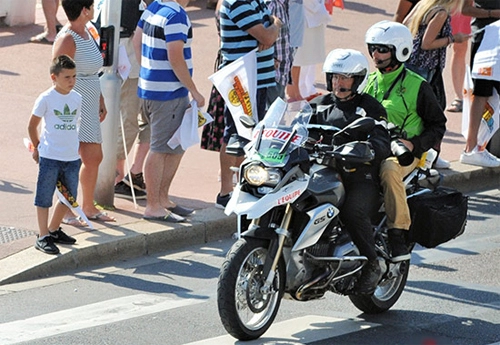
(50, 171)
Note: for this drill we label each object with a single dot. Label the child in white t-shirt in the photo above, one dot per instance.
(56, 149)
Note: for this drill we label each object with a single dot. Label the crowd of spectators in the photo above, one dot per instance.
(285, 32)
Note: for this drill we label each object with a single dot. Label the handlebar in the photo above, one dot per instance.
(355, 152)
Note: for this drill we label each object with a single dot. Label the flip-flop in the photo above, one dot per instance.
(40, 40)
(74, 221)
(171, 218)
(181, 211)
(102, 217)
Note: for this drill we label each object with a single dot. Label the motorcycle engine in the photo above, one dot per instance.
(316, 264)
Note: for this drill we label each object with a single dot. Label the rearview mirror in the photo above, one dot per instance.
(247, 121)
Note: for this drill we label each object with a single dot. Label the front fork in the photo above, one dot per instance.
(275, 250)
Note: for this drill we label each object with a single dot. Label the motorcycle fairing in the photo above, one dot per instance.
(319, 218)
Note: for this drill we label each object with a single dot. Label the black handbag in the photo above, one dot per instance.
(437, 217)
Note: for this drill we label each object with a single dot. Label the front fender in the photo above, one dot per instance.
(242, 203)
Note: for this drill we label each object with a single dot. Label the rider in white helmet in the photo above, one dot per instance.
(394, 36)
(346, 75)
(412, 106)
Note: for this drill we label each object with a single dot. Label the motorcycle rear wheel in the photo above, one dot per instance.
(386, 294)
(245, 311)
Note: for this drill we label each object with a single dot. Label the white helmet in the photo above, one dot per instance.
(392, 34)
(348, 62)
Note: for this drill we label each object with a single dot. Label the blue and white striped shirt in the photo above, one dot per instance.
(236, 17)
(162, 23)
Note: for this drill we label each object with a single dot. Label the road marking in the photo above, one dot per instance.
(92, 315)
(301, 330)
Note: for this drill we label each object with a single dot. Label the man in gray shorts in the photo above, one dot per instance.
(163, 41)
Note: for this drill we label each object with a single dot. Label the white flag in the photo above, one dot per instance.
(237, 84)
(490, 119)
(487, 58)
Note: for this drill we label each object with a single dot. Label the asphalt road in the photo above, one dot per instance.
(452, 297)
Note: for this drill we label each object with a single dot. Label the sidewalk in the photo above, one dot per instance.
(24, 74)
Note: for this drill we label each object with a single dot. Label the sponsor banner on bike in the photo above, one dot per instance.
(237, 84)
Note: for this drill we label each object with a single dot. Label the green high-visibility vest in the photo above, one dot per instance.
(401, 101)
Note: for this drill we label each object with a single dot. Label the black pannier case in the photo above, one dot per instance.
(437, 217)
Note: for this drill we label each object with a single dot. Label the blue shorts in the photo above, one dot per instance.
(49, 173)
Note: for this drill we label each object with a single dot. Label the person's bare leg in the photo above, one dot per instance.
(57, 216)
(141, 152)
(458, 68)
(120, 170)
(153, 172)
(42, 214)
(170, 166)
(91, 155)
(476, 113)
(50, 12)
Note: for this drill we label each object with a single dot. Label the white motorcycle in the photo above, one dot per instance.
(295, 244)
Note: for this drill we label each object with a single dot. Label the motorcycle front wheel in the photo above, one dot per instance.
(386, 294)
(246, 311)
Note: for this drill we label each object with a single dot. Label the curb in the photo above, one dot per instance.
(467, 178)
(143, 238)
(121, 242)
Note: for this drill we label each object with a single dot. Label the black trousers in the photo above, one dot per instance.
(362, 201)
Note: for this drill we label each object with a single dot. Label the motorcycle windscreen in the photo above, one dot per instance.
(283, 129)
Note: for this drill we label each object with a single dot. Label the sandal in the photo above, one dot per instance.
(40, 39)
(455, 106)
(102, 217)
(74, 221)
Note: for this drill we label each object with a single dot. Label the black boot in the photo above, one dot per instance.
(398, 245)
(370, 276)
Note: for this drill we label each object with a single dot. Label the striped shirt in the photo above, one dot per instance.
(88, 60)
(236, 17)
(162, 23)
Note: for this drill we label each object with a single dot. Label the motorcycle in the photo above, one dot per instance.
(295, 246)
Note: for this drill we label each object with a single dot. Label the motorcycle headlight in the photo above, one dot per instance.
(257, 175)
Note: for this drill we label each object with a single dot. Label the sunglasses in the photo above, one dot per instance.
(381, 49)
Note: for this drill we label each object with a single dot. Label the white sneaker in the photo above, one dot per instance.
(441, 163)
(480, 158)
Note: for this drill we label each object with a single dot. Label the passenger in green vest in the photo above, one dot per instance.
(411, 106)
